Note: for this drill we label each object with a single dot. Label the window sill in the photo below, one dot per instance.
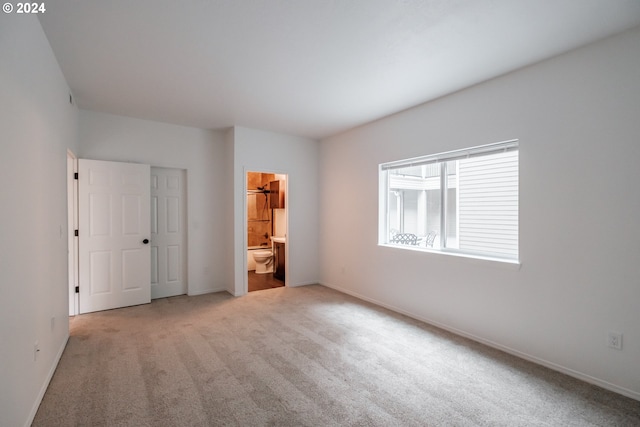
(476, 259)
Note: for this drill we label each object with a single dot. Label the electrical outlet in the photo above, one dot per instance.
(614, 340)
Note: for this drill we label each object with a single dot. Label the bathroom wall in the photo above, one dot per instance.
(259, 212)
(280, 215)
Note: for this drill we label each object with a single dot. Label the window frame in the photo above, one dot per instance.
(442, 159)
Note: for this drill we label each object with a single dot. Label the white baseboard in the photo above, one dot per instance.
(295, 285)
(45, 385)
(559, 368)
(206, 291)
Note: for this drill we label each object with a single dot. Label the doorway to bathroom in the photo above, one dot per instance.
(266, 230)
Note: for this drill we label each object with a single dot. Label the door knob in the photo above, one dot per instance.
(145, 241)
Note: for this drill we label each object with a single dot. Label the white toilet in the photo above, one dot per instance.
(264, 261)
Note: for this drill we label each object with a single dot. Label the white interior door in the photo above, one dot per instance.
(114, 223)
(168, 233)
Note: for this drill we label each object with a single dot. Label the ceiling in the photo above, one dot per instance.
(311, 68)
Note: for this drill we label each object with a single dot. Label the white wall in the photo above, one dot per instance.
(261, 151)
(202, 153)
(37, 125)
(577, 117)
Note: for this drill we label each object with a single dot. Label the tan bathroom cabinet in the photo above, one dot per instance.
(279, 261)
(276, 194)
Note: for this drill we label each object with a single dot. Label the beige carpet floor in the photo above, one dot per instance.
(306, 356)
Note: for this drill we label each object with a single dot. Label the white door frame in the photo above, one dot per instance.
(72, 225)
(245, 233)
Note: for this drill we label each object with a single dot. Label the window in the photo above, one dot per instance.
(463, 201)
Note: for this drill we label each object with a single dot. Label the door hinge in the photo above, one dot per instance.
(77, 289)
(76, 233)
(75, 175)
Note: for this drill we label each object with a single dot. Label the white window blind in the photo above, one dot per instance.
(467, 198)
(466, 153)
(488, 204)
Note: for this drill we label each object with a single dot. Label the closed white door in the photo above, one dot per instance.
(114, 231)
(168, 233)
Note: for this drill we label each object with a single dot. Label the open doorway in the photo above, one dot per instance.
(266, 230)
